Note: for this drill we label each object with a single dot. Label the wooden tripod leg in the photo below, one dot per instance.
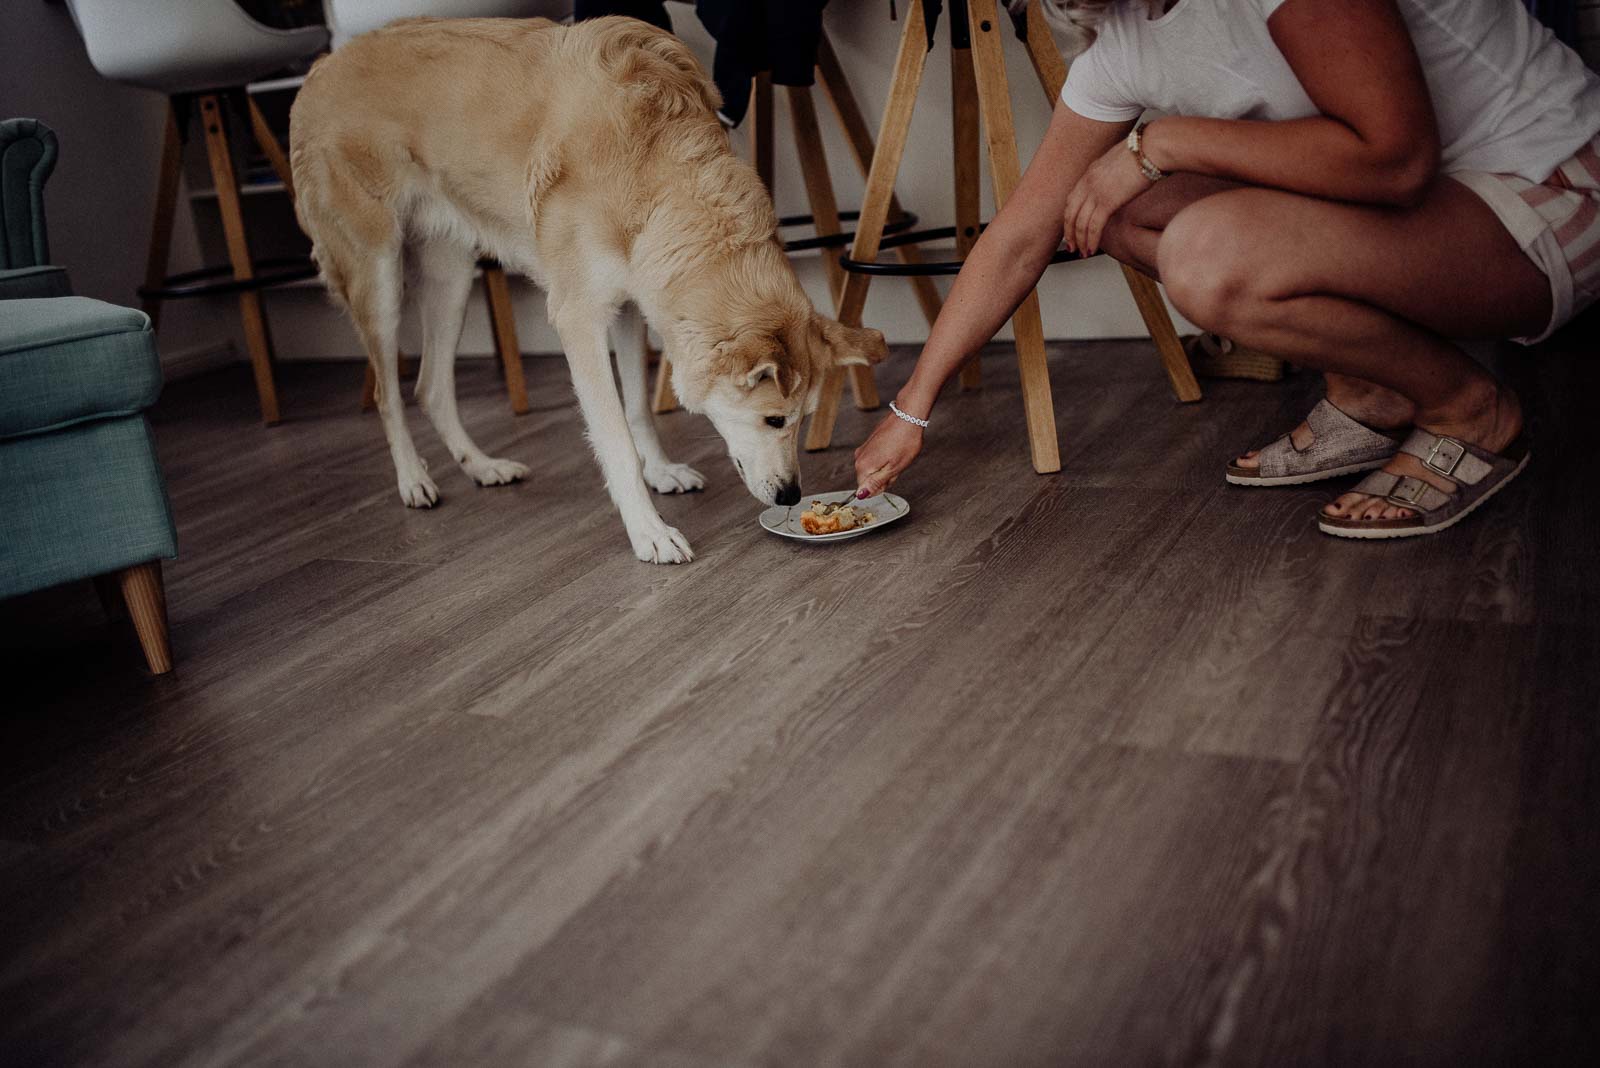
(964, 138)
(825, 216)
(155, 267)
(268, 142)
(831, 76)
(250, 313)
(1052, 72)
(503, 323)
(892, 135)
(146, 598)
(994, 96)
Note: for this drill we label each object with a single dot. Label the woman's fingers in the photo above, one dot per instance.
(1093, 228)
(876, 482)
(1069, 216)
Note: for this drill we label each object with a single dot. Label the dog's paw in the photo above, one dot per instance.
(491, 472)
(661, 544)
(417, 490)
(673, 478)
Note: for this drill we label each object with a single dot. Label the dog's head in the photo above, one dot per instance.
(758, 386)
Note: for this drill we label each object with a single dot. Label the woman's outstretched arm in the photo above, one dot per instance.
(1002, 268)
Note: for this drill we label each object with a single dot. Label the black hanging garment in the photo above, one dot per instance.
(752, 36)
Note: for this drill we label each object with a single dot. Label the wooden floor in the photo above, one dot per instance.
(1121, 766)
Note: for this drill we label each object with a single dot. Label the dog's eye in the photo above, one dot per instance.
(776, 421)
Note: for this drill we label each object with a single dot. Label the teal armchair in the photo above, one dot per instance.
(81, 490)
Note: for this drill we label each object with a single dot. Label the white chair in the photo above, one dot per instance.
(198, 52)
(350, 18)
(347, 18)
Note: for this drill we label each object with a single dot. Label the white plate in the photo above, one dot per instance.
(785, 520)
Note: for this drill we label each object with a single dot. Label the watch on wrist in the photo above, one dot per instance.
(1136, 146)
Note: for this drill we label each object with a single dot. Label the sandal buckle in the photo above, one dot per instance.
(1445, 456)
(1408, 491)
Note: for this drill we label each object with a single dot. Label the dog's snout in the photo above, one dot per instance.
(788, 493)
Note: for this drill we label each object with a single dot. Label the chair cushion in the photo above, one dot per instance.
(66, 360)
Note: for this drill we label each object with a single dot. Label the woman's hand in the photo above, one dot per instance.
(883, 456)
(1109, 183)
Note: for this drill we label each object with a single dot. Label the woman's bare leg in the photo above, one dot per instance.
(1369, 293)
(1133, 236)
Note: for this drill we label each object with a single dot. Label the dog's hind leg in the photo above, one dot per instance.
(628, 339)
(581, 324)
(374, 283)
(444, 279)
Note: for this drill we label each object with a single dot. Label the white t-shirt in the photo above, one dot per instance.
(1509, 97)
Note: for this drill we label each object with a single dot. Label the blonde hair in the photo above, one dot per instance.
(1079, 20)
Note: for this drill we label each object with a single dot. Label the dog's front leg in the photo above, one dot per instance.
(584, 338)
(628, 338)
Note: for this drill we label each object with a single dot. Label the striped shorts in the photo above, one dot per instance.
(1557, 223)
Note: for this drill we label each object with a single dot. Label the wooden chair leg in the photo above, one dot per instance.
(1052, 72)
(268, 142)
(875, 202)
(502, 320)
(146, 598)
(994, 97)
(825, 216)
(155, 268)
(830, 74)
(964, 138)
(250, 311)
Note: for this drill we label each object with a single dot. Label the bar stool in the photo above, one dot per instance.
(350, 18)
(201, 53)
(978, 83)
(825, 219)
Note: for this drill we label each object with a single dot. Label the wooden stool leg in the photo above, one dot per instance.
(662, 398)
(892, 135)
(502, 320)
(825, 216)
(995, 99)
(268, 142)
(1052, 72)
(964, 138)
(155, 268)
(1153, 308)
(831, 76)
(250, 313)
(146, 599)
(760, 116)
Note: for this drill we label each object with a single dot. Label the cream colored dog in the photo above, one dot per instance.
(590, 159)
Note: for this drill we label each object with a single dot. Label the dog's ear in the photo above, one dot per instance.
(848, 345)
(752, 357)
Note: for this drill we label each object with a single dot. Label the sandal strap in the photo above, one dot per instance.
(1450, 457)
(1337, 440)
(1418, 494)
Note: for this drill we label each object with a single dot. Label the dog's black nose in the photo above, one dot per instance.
(788, 493)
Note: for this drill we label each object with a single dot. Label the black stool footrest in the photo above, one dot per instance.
(212, 281)
(801, 244)
(917, 270)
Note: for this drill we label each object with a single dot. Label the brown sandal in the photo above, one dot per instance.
(1339, 446)
(1477, 474)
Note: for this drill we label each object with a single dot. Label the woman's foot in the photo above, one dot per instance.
(1366, 403)
(1488, 416)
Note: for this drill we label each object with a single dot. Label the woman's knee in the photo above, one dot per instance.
(1211, 259)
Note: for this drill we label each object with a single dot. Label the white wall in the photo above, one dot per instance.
(98, 202)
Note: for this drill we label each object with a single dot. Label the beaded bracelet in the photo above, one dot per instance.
(913, 420)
